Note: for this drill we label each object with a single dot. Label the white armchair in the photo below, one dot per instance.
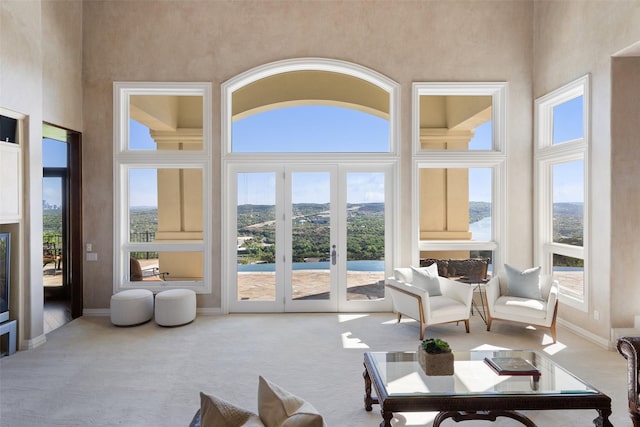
(415, 301)
(538, 312)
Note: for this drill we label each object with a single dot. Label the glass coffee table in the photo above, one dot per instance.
(475, 390)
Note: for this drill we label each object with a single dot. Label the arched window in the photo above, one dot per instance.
(310, 154)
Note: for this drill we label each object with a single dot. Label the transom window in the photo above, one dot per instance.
(311, 128)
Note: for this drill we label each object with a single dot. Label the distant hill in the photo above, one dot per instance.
(568, 208)
(479, 210)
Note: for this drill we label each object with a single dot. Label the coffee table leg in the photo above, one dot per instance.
(368, 401)
(386, 418)
(603, 418)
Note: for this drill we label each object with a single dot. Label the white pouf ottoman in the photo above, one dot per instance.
(131, 307)
(175, 307)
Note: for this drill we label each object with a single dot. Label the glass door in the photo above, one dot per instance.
(312, 246)
(365, 223)
(257, 272)
(309, 238)
(54, 230)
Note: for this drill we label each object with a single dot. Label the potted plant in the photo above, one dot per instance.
(435, 357)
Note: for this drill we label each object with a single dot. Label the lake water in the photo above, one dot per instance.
(481, 230)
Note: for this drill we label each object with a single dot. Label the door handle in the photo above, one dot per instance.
(333, 255)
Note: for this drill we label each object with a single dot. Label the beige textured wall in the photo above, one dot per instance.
(214, 41)
(40, 69)
(625, 201)
(62, 63)
(571, 39)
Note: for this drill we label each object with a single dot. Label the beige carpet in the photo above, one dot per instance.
(90, 373)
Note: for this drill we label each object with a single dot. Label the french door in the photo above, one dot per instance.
(308, 238)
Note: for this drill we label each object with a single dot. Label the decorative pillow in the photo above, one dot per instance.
(279, 408)
(427, 279)
(523, 284)
(403, 274)
(215, 412)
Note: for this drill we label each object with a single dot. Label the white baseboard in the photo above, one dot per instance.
(105, 312)
(209, 311)
(96, 312)
(589, 336)
(623, 332)
(34, 342)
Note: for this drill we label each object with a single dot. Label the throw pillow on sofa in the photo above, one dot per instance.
(279, 408)
(215, 412)
(276, 406)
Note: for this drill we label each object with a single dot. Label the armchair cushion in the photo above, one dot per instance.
(427, 279)
(520, 307)
(523, 284)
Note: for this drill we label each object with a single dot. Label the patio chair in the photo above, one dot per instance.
(137, 274)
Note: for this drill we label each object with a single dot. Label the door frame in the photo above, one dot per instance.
(338, 301)
(74, 237)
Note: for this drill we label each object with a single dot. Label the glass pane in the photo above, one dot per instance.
(569, 272)
(54, 153)
(311, 235)
(365, 236)
(256, 236)
(568, 203)
(143, 204)
(480, 197)
(52, 231)
(456, 122)
(568, 120)
(310, 128)
(165, 122)
(455, 204)
(165, 206)
(166, 266)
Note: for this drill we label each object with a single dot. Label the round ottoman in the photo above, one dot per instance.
(131, 307)
(175, 307)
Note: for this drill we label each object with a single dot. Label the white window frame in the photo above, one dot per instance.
(546, 156)
(126, 159)
(496, 159)
(230, 161)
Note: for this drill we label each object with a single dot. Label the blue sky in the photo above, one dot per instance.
(330, 129)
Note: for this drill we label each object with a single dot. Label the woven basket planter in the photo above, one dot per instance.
(435, 364)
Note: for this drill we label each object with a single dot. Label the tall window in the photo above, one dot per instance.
(562, 140)
(309, 149)
(162, 198)
(459, 163)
